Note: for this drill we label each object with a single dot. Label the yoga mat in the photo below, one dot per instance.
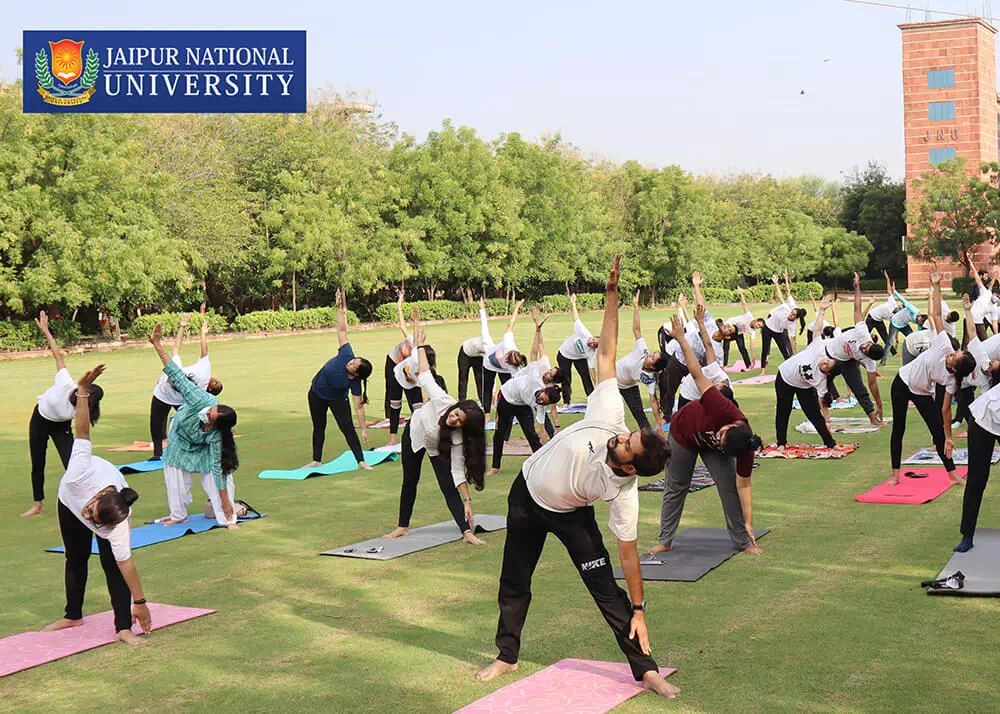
(848, 403)
(695, 552)
(138, 467)
(397, 449)
(576, 686)
(759, 379)
(929, 456)
(384, 423)
(741, 366)
(513, 447)
(418, 539)
(575, 408)
(342, 464)
(981, 566)
(845, 425)
(30, 649)
(806, 451)
(910, 491)
(137, 446)
(154, 533)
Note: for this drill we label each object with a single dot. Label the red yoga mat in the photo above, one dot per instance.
(911, 491)
(571, 685)
(30, 649)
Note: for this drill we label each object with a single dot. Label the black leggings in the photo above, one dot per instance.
(981, 328)
(780, 338)
(901, 397)
(981, 443)
(76, 539)
(465, 365)
(582, 368)
(411, 477)
(809, 401)
(489, 377)
(506, 414)
(394, 396)
(633, 400)
(879, 326)
(669, 381)
(851, 370)
(741, 344)
(158, 413)
(341, 409)
(40, 430)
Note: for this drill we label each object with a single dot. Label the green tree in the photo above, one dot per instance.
(844, 253)
(873, 205)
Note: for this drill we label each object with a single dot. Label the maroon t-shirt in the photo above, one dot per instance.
(695, 424)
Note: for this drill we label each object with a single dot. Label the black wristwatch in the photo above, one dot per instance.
(641, 607)
(143, 602)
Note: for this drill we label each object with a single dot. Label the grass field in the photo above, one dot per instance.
(829, 618)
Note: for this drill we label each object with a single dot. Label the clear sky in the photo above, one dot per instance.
(711, 85)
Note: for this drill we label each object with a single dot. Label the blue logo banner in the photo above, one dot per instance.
(164, 71)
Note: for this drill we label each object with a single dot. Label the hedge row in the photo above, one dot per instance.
(755, 293)
(143, 325)
(456, 310)
(17, 336)
(279, 320)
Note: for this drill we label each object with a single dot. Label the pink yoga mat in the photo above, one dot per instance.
(579, 686)
(759, 379)
(30, 649)
(910, 491)
(738, 367)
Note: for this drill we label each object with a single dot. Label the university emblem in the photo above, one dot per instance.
(69, 80)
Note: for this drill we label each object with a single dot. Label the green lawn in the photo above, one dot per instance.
(830, 618)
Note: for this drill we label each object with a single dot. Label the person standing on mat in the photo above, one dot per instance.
(341, 375)
(503, 359)
(743, 326)
(594, 459)
(880, 312)
(200, 440)
(578, 351)
(984, 430)
(52, 419)
(712, 371)
(940, 364)
(393, 389)
(778, 324)
(982, 303)
(94, 499)
(165, 397)
(404, 376)
(470, 358)
(899, 323)
(639, 367)
(453, 435)
(713, 428)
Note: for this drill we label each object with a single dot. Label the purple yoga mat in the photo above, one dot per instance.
(30, 649)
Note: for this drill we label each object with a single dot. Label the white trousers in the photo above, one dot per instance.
(178, 483)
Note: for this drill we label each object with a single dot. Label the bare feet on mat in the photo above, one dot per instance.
(956, 480)
(762, 372)
(35, 510)
(398, 533)
(470, 538)
(168, 521)
(654, 682)
(365, 467)
(62, 624)
(493, 472)
(893, 480)
(494, 670)
(312, 464)
(658, 548)
(130, 638)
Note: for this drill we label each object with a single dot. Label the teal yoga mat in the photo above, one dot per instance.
(342, 464)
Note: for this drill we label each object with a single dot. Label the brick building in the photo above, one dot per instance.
(950, 106)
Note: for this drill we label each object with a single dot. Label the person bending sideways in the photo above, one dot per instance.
(594, 459)
(780, 324)
(639, 367)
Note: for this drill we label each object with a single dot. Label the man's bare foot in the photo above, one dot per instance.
(312, 464)
(659, 548)
(753, 549)
(470, 538)
(168, 521)
(893, 480)
(762, 372)
(493, 472)
(36, 509)
(232, 527)
(494, 670)
(957, 480)
(62, 624)
(654, 682)
(130, 638)
(365, 467)
(398, 533)
(392, 440)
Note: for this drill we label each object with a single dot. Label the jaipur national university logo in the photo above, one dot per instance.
(65, 76)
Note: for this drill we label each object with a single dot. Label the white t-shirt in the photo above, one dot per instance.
(918, 342)
(570, 471)
(201, 371)
(741, 323)
(713, 372)
(978, 377)
(406, 371)
(53, 403)
(847, 346)
(396, 353)
(950, 327)
(991, 347)
(693, 338)
(982, 306)
(629, 368)
(575, 346)
(883, 310)
(495, 357)
(928, 369)
(801, 370)
(425, 426)
(777, 320)
(477, 346)
(986, 410)
(520, 389)
(86, 476)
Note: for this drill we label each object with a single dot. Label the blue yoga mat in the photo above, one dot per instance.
(342, 464)
(156, 533)
(137, 467)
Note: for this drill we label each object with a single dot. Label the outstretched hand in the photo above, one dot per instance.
(676, 328)
(857, 281)
(612, 284)
(90, 377)
(538, 319)
(935, 278)
(699, 312)
(42, 321)
(825, 302)
(966, 301)
(185, 319)
(157, 335)
(774, 278)
(340, 298)
(696, 278)
(519, 304)
(482, 303)
(682, 300)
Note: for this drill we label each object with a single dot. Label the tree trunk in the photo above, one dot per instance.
(567, 287)
(652, 296)
(75, 311)
(294, 295)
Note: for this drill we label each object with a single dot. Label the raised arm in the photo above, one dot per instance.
(888, 283)
(743, 301)
(690, 358)
(419, 338)
(935, 306)
(399, 313)
(682, 302)
(703, 331)
(699, 299)
(788, 284)
(341, 317)
(179, 337)
(974, 271)
(204, 332)
(484, 325)
(537, 344)
(43, 324)
(513, 316)
(82, 416)
(833, 313)
(572, 307)
(777, 288)
(636, 320)
(859, 315)
(607, 347)
(190, 392)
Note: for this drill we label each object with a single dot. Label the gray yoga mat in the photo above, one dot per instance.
(695, 552)
(981, 566)
(418, 539)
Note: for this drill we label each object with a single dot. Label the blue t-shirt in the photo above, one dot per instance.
(332, 381)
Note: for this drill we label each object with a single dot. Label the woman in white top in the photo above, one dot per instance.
(831, 330)
(639, 366)
(166, 398)
(470, 357)
(984, 431)
(394, 391)
(712, 371)
(503, 359)
(52, 419)
(578, 351)
(738, 329)
(94, 499)
(879, 313)
(982, 303)
(453, 434)
(916, 382)
(779, 323)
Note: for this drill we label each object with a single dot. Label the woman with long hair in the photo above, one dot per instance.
(200, 440)
(739, 329)
(780, 323)
(503, 359)
(52, 418)
(394, 391)
(578, 351)
(453, 435)
(470, 357)
(341, 375)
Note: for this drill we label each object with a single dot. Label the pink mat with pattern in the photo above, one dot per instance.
(30, 649)
(579, 686)
(911, 491)
(759, 379)
(741, 365)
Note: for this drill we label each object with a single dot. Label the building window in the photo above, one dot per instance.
(941, 155)
(940, 111)
(941, 79)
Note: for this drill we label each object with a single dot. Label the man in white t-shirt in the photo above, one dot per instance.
(596, 459)
(639, 366)
(470, 357)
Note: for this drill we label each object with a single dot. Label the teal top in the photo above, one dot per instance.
(189, 447)
(910, 314)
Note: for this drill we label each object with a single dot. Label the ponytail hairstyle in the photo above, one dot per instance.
(439, 380)
(473, 441)
(364, 372)
(112, 507)
(663, 337)
(432, 359)
(93, 402)
(952, 317)
(828, 331)
(802, 319)
(224, 423)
